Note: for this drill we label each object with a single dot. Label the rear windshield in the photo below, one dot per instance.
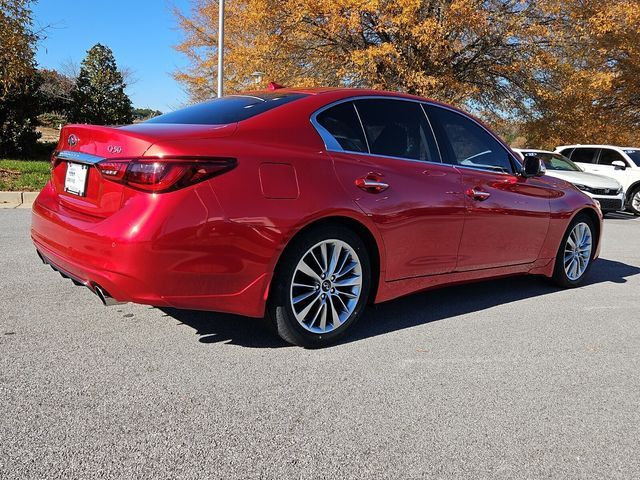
(231, 109)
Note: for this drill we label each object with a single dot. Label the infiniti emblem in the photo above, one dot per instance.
(72, 140)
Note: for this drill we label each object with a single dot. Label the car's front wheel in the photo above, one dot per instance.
(321, 286)
(573, 260)
(633, 204)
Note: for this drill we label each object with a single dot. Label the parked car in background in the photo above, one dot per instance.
(606, 190)
(302, 206)
(621, 163)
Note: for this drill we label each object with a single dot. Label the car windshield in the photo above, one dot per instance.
(634, 155)
(555, 161)
(231, 109)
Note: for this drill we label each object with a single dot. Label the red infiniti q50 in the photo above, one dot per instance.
(303, 206)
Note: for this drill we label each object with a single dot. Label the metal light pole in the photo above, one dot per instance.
(220, 47)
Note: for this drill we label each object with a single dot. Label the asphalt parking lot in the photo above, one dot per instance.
(502, 379)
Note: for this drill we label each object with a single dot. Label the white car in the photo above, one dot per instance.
(621, 163)
(606, 190)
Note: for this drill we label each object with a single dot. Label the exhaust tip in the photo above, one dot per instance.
(106, 299)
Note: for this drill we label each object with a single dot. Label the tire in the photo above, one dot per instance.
(569, 270)
(317, 310)
(633, 202)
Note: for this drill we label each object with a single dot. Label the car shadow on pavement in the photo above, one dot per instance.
(213, 327)
(457, 300)
(405, 312)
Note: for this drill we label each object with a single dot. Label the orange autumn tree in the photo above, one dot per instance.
(590, 92)
(534, 69)
(460, 51)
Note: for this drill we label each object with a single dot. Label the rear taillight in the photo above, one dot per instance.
(163, 174)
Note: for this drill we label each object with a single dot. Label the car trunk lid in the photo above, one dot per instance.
(80, 185)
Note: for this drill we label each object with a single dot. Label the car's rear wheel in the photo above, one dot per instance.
(573, 260)
(321, 286)
(633, 204)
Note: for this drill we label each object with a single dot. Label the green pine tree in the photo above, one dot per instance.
(99, 96)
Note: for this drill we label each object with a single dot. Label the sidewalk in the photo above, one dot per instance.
(17, 199)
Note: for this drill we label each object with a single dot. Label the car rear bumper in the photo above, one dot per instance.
(148, 254)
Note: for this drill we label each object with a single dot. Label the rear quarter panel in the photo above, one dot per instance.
(261, 221)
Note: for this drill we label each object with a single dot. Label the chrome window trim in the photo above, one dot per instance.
(78, 157)
(403, 159)
(332, 145)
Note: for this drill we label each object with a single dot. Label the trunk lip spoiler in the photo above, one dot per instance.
(78, 157)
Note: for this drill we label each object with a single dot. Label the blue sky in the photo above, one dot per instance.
(141, 34)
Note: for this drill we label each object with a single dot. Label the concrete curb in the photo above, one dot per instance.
(17, 199)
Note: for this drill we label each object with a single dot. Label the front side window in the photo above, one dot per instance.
(466, 143)
(608, 156)
(342, 123)
(397, 128)
(225, 110)
(584, 155)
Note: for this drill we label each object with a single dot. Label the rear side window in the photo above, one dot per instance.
(584, 155)
(231, 109)
(397, 128)
(608, 156)
(342, 123)
(463, 142)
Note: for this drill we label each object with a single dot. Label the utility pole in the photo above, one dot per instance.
(220, 48)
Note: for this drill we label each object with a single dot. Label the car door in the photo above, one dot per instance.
(585, 157)
(507, 215)
(387, 159)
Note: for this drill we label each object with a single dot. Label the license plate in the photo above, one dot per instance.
(76, 179)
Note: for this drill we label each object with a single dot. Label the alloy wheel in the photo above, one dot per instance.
(635, 201)
(326, 286)
(577, 251)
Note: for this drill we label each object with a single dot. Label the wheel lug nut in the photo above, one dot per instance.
(324, 296)
(333, 277)
(323, 276)
(333, 290)
(317, 287)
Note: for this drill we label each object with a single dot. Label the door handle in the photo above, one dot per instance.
(371, 185)
(477, 194)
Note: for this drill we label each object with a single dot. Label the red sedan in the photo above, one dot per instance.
(303, 206)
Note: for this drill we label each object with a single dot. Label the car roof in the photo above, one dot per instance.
(532, 150)
(597, 146)
(342, 92)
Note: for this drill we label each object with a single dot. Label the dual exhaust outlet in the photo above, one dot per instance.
(106, 299)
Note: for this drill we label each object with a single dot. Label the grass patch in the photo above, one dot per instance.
(24, 175)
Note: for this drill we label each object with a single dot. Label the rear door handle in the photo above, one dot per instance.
(477, 194)
(371, 185)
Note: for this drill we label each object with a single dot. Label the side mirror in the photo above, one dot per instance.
(619, 165)
(533, 167)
